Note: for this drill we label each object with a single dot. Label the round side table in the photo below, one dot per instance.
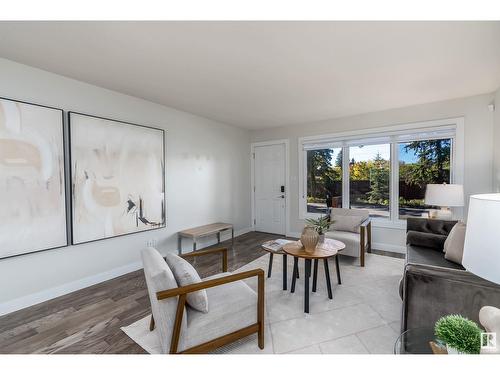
(324, 250)
(272, 247)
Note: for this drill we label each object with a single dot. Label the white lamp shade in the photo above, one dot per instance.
(482, 238)
(444, 195)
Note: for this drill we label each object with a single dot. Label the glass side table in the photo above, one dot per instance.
(415, 341)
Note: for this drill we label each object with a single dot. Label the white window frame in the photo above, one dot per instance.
(454, 125)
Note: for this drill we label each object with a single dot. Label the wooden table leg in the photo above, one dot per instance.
(306, 285)
(194, 244)
(284, 272)
(315, 275)
(338, 268)
(327, 274)
(218, 237)
(295, 273)
(179, 244)
(270, 268)
(232, 238)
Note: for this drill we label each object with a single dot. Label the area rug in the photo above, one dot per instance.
(363, 316)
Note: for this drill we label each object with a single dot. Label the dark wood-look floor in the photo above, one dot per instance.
(89, 320)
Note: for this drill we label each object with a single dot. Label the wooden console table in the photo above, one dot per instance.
(203, 231)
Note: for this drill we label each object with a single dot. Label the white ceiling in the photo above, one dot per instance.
(264, 74)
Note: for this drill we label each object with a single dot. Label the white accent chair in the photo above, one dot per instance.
(352, 227)
(234, 309)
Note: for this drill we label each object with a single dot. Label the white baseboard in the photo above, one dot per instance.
(243, 231)
(45, 295)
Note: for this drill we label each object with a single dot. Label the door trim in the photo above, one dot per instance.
(253, 145)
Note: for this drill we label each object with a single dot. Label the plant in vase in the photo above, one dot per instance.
(461, 335)
(320, 225)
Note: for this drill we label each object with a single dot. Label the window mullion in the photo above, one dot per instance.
(345, 177)
(394, 182)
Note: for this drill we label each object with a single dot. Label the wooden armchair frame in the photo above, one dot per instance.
(365, 232)
(182, 292)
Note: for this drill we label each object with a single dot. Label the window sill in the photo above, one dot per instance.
(376, 222)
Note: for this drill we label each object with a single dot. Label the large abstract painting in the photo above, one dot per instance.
(117, 178)
(32, 187)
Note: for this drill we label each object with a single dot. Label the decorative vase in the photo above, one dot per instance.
(309, 239)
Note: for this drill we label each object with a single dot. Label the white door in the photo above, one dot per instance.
(269, 188)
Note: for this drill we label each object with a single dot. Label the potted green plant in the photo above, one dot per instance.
(320, 225)
(461, 335)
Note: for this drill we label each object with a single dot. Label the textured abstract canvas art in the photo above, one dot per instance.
(32, 188)
(117, 178)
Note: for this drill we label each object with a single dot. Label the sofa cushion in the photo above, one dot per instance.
(429, 257)
(233, 306)
(430, 225)
(185, 274)
(424, 239)
(454, 244)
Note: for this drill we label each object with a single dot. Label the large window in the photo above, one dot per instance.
(421, 163)
(324, 179)
(369, 173)
(386, 172)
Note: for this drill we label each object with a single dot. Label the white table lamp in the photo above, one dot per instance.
(444, 196)
(482, 237)
(482, 253)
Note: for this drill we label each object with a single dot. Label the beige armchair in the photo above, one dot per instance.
(352, 227)
(234, 309)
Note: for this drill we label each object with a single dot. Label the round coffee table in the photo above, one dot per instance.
(324, 250)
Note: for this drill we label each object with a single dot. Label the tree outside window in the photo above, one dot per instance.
(324, 179)
(421, 163)
(369, 176)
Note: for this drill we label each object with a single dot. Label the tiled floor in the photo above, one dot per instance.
(362, 317)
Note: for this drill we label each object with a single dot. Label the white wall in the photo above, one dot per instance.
(478, 148)
(496, 164)
(208, 179)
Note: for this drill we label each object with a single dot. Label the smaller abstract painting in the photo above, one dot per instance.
(117, 178)
(32, 187)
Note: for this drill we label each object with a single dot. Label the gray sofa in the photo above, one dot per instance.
(433, 286)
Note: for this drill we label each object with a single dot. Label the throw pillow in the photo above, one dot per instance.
(347, 223)
(454, 244)
(185, 274)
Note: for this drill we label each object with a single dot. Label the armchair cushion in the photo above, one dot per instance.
(159, 277)
(185, 274)
(424, 239)
(347, 223)
(233, 306)
(350, 239)
(348, 220)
